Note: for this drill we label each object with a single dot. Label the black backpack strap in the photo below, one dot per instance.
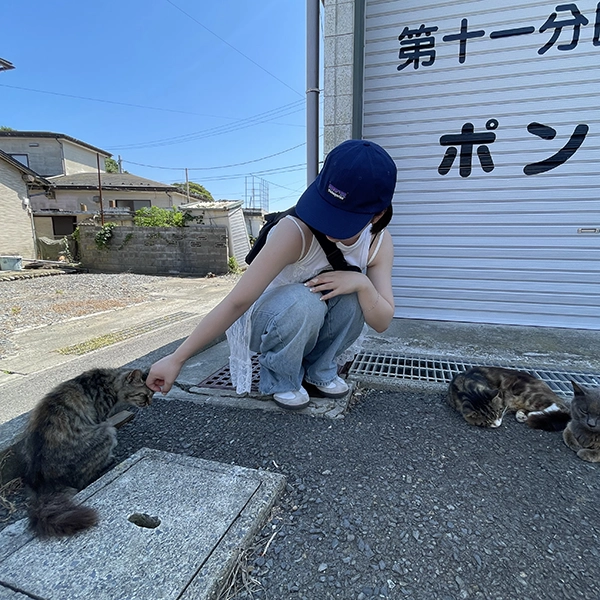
(332, 252)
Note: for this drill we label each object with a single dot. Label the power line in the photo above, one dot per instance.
(258, 119)
(172, 110)
(234, 48)
(130, 162)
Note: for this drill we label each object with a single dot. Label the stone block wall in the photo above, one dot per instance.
(195, 250)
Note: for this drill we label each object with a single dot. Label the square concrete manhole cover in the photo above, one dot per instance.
(206, 512)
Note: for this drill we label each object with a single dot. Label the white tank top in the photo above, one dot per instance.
(311, 263)
(315, 260)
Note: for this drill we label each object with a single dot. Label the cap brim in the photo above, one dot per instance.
(339, 224)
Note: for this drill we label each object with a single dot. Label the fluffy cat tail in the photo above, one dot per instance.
(553, 418)
(56, 515)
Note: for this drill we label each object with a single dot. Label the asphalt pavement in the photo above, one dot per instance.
(395, 497)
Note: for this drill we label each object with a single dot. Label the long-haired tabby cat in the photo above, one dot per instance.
(582, 434)
(68, 443)
(482, 395)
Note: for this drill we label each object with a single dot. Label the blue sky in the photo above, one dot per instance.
(167, 83)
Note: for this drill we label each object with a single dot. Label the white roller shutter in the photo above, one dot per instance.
(492, 113)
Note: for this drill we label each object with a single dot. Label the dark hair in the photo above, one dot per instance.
(382, 223)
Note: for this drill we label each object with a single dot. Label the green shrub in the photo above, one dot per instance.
(233, 265)
(155, 216)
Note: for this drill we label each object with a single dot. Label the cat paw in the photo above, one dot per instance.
(589, 455)
(521, 416)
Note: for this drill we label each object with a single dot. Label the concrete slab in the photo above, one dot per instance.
(211, 360)
(208, 512)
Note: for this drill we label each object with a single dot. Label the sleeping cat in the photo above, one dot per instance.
(484, 394)
(68, 443)
(583, 431)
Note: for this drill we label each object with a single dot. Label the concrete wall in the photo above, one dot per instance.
(16, 237)
(44, 154)
(338, 60)
(194, 250)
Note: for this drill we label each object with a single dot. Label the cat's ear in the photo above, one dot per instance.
(135, 376)
(577, 390)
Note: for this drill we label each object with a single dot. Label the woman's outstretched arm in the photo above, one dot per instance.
(282, 248)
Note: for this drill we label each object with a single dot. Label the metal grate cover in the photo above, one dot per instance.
(221, 379)
(442, 369)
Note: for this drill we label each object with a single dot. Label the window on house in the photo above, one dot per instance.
(133, 205)
(22, 158)
(64, 225)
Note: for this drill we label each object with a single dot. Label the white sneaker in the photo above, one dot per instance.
(292, 400)
(337, 388)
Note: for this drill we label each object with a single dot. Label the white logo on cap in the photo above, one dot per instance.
(335, 192)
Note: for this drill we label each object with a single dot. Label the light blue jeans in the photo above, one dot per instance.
(299, 336)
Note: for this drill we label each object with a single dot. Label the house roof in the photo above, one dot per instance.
(212, 204)
(35, 178)
(50, 134)
(110, 181)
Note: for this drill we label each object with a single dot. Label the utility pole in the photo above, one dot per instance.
(187, 186)
(312, 90)
(120, 164)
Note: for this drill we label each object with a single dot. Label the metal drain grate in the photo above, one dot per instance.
(442, 369)
(221, 379)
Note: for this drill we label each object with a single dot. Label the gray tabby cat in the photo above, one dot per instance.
(583, 431)
(482, 395)
(68, 443)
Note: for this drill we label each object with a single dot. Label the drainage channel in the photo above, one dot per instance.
(442, 369)
(419, 368)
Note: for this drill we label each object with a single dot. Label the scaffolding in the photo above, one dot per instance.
(257, 193)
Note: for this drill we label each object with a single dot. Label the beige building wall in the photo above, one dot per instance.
(72, 200)
(16, 237)
(80, 160)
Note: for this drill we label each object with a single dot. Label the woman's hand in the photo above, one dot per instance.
(338, 283)
(163, 373)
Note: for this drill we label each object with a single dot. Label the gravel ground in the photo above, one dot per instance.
(26, 303)
(400, 499)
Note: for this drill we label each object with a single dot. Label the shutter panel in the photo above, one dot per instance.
(492, 113)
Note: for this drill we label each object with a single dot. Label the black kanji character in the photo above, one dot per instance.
(413, 50)
(463, 36)
(576, 22)
(563, 155)
(511, 32)
(596, 39)
(466, 140)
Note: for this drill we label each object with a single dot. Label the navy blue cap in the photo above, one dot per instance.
(357, 182)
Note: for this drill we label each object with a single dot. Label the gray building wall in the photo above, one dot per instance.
(339, 72)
